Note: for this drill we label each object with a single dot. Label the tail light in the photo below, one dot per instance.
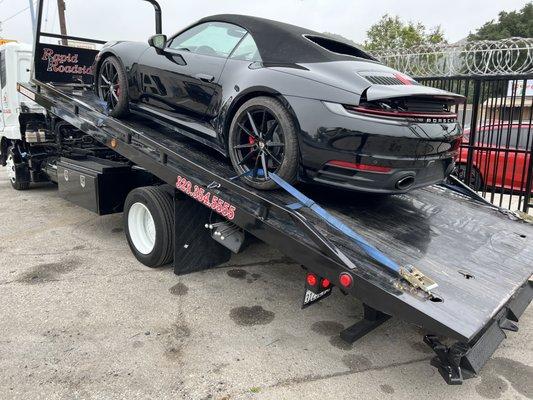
(325, 283)
(345, 280)
(311, 279)
(429, 117)
(359, 167)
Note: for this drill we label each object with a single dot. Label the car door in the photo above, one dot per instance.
(516, 172)
(181, 82)
(489, 155)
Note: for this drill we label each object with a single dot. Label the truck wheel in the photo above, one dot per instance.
(15, 168)
(149, 225)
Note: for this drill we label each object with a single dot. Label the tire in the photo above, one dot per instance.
(112, 87)
(284, 163)
(141, 205)
(13, 163)
(476, 179)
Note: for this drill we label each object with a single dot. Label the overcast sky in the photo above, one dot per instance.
(133, 19)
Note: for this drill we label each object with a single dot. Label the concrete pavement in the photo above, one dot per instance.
(80, 318)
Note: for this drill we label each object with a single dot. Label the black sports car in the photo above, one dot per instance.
(279, 98)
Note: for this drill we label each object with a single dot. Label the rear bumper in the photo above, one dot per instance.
(422, 152)
(461, 361)
(399, 180)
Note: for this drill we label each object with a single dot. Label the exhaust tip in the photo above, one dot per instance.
(405, 183)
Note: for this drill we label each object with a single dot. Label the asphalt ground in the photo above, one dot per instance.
(82, 319)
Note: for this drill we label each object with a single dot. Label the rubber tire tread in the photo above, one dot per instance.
(17, 185)
(161, 206)
(123, 107)
(291, 159)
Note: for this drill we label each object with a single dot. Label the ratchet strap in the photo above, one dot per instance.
(416, 278)
(304, 201)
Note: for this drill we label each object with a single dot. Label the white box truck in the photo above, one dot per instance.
(15, 64)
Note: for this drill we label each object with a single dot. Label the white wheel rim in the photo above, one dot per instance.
(10, 165)
(141, 228)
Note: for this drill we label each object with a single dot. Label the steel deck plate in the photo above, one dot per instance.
(478, 256)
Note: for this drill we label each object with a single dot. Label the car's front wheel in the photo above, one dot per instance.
(262, 140)
(112, 87)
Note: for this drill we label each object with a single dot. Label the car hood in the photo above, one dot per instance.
(370, 80)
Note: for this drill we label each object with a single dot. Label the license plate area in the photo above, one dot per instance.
(311, 298)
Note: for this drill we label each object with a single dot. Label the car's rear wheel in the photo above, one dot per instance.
(112, 87)
(262, 139)
(476, 180)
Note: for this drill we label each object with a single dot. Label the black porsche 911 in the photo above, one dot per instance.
(278, 98)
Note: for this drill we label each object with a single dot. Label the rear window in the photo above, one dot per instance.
(246, 50)
(338, 47)
(504, 137)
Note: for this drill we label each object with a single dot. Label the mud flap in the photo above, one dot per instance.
(194, 248)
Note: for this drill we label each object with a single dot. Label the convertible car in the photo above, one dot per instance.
(277, 98)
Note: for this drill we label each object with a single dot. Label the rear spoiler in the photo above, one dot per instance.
(383, 92)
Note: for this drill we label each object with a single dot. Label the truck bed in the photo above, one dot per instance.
(480, 257)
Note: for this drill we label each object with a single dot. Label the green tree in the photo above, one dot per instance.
(509, 24)
(391, 32)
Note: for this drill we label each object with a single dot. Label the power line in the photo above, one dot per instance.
(14, 15)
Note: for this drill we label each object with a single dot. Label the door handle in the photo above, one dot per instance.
(205, 78)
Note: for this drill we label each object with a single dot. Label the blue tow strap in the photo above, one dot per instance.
(305, 201)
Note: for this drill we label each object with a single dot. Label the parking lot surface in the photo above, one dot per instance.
(80, 318)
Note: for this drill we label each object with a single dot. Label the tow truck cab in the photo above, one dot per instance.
(15, 66)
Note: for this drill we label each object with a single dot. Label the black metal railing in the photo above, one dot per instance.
(496, 154)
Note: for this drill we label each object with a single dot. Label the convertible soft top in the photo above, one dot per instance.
(281, 43)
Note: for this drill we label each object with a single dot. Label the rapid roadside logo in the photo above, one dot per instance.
(64, 64)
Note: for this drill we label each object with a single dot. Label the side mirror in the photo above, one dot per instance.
(158, 42)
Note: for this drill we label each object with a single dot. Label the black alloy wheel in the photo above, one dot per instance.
(263, 140)
(112, 87)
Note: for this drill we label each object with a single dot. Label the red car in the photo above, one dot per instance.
(500, 156)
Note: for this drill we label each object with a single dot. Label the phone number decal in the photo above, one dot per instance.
(206, 198)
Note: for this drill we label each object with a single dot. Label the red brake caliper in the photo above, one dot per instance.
(251, 140)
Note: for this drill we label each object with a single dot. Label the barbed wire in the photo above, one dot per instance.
(483, 57)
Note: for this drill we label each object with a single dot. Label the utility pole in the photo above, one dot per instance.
(32, 14)
(62, 20)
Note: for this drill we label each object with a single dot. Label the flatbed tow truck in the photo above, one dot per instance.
(473, 261)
